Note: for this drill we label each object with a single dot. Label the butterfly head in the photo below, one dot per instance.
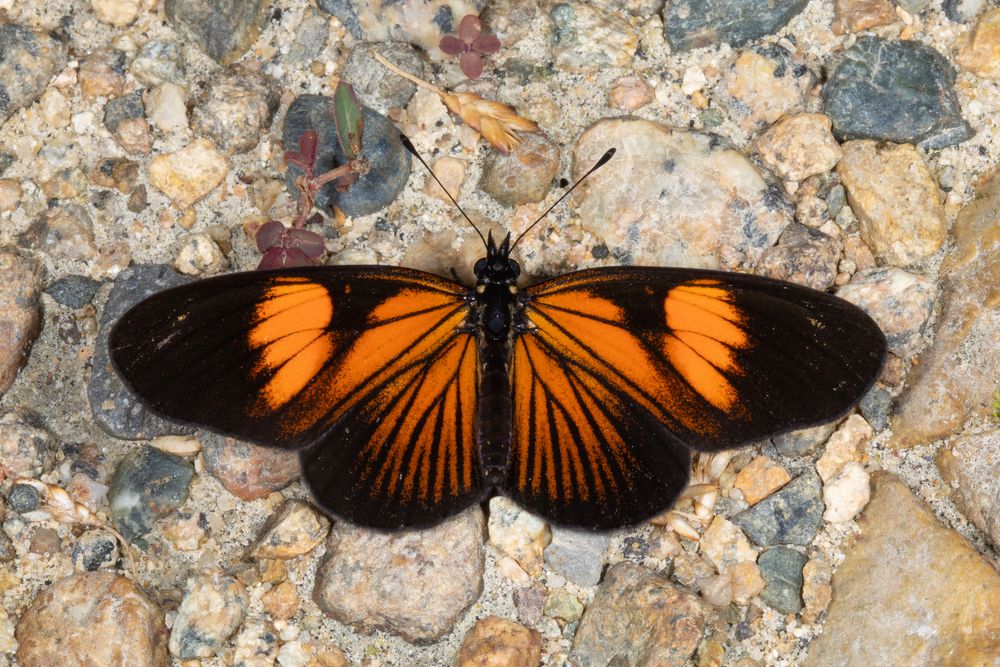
(497, 268)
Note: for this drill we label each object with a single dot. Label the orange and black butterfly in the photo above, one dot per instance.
(410, 397)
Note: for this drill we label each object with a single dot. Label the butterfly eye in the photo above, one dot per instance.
(480, 266)
(515, 268)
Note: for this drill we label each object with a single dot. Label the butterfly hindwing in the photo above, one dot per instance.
(618, 370)
(365, 367)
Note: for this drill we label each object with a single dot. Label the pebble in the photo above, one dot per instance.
(237, 109)
(895, 90)
(125, 116)
(102, 73)
(185, 531)
(95, 550)
(116, 409)
(24, 498)
(55, 108)
(577, 555)
(420, 22)
(376, 87)
(166, 107)
(413, 583)
(256, 644)
(963, 11)
(451, 172)
(209, 614)
(187, 175)
(92, 618)
(20, 313)
(65, 184)
(781, 569)
(224, 31)
(957, 375)
(717, 591)
(26, 448)
(885, 582)
(498, 642)
(899, 301)
(116, 12)
(691, 24)
(626, 624)
(792, 515)
(803, 255)
(249, 472)
(675, 198)
(10, 194)
(115, 172)
(158, 62)
(517, 533)
(726, 545)
(799, 146)
(28, 60)
(692, 569)
(589, 37)
(199, 254)
(629, 93)
(7, 642)
(896, 200)
(380, 145)
(760, 478)
(848, 444)
(294, 530)
(44, 542)
(745, 580)
(859, 15)
(764, 84)
(846, 493)
(281, 602)
(63, 232)
(971, 464)
(148, 484)
(525, 175)
(875, 405)
(562, 605)
(7, 554)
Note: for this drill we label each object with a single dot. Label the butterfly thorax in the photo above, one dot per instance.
(496, 279)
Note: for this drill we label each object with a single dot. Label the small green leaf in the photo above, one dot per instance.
(347, 114)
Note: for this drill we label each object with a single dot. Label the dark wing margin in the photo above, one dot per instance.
(322, 358)
(618, 372)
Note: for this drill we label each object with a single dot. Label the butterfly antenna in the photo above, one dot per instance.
(409, 146)
(600, 163)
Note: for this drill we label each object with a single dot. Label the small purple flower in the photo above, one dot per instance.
(285, 247)
(470, 45)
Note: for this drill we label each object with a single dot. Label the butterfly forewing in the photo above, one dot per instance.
(366, 366)
(618, 371)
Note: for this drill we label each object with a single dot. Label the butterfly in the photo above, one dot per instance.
(411, 397)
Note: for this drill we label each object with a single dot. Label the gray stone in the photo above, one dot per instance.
(148, 485)
(116, 409)
(964, 11)
(380, 145)
(899, 91)
(913, 6)
(376, 86)
(803, 441)
(875, 407)
(237, 109)
(224, 29)
(158, 62)
(24, 498)
(211, 611)
(639, 617)
(344, 12)
(95, 550)
(791, 515)
(781, 569)
(310, 39)
(74, 291)
(692, 24)
(577, 555)
(123, 108)
(28, 59)
(803, 255)
(525, 174)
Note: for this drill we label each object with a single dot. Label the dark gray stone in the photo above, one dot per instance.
(6, 160)
(224, 29)
(376, 86)
(781, 569)
(116, 409)
(380, 145)
(691, 24)
(147, 486)
(28, 60)
(344, 11)
(792, 515)
(577, 555)
(123, 108)
(875, 407)
(73, 291)
(310, 39)
(803, 255)
(899, 91)
(24, 498)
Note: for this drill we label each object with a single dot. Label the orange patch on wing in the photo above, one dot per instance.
(290, 335)
(705, 310)
(589, 305)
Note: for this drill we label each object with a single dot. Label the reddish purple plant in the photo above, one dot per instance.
(470, 45)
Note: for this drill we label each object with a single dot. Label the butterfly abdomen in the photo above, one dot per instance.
(493, 433)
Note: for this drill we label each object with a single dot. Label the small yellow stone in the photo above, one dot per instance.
(760, 478)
